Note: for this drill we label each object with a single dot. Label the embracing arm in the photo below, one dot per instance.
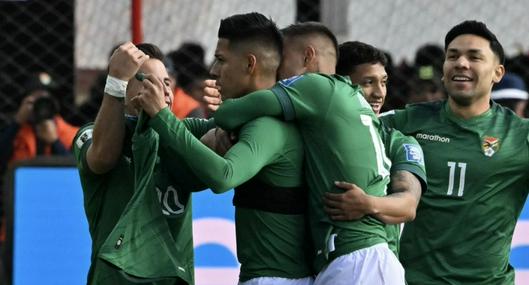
(179, 170)
(401, 205)
(234, 113)
(242, 162)
(254, 149)
(397, 207)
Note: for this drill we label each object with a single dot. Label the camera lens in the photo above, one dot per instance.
(44, 108)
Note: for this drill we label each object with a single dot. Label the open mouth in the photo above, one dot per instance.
(375, 105)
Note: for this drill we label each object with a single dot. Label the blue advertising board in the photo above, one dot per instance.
(51, 244)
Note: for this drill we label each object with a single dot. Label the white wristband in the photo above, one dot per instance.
(115, 87)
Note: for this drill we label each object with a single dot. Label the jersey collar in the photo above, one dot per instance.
(472, 121)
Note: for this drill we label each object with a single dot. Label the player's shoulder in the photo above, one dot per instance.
(507, 118)
(423, 109)
(507, 114)
(314, 78)
(291, 80)
(394, 136)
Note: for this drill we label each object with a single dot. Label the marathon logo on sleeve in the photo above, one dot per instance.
(414, 153)
(85, 136)
(290, 81)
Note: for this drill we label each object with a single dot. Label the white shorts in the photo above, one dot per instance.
(278, 281)
(372, 265)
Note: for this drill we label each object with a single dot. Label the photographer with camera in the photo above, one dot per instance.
(37, 129)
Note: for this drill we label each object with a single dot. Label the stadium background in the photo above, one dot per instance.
(71, 40)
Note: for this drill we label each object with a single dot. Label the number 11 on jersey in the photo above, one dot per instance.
(462, 170)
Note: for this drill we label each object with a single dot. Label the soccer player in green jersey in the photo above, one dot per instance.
(105, 161)
(265, 165)
(324, 104)
(477, 161)
(311, 47)
(365, 65)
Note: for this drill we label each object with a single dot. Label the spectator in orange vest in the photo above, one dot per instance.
(37, 129)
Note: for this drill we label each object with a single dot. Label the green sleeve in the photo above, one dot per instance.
(259, 143)
(305, 95)
(199, 127)
(180, 172)
(295, 98)
(81, 142)
(406, 154)
(233, 113)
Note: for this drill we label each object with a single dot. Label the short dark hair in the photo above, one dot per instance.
(355, 53)
(310, 28)
(251, 27)
(151, 50)
(478, 29)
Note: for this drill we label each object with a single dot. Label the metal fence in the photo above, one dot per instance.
(71, 40)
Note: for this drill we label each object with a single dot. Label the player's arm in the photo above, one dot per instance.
(408, 177)
(198, 126)
(179, 171)
(408, 181)
(233, 113)
(401, 205)
(254, 149)
(109, 129)
(397, 207)
(243, 161)
(290, 99)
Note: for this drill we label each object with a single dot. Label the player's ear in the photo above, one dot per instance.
(251, 61)
(499, 71)
(309, 55)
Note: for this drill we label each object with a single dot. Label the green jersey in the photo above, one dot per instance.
(477, 184)
(406, 154)
(121, 204)
(269, 215)
(342, 143)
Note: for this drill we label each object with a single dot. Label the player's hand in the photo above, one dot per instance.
(154, 96)
(352, 204)
(209, 139)
(218, 140)
(126, 61)
(25, 110)
(47, 131)
(224, 141)
(211, 95)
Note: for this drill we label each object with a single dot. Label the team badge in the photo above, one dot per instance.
(84, 137)
(490, 146)
(289, 81)
(414, 153)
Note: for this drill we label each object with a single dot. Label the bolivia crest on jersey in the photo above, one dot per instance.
(490, 146)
